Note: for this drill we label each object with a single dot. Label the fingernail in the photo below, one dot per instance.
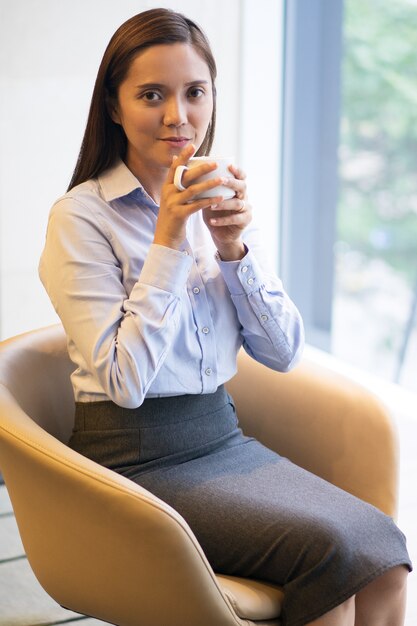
(213, 206)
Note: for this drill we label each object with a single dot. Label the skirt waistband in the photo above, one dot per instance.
(162, 431)
(106, 415)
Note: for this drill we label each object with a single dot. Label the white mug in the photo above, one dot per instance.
(222, 171)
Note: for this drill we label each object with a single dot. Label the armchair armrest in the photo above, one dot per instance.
(323, 422)
(98, 543)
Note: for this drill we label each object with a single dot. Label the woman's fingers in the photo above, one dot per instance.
(199, 189)
(178, 204)
(239, 215)
(234, 205)
(189, 176)
(182, 159)
(230, 219)
(237, 172)
(197, 171)
(197, 205)
(237, 182)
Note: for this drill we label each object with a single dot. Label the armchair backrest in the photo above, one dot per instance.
(36, 370)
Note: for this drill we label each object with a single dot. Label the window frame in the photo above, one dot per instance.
(309, 175)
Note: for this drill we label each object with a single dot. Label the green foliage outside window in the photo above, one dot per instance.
(378, 149)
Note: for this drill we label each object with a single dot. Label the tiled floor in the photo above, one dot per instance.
(24, 603)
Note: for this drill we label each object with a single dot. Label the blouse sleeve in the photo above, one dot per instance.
(271, 325)
(123, 338)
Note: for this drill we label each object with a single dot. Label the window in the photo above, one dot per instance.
(309, 157)
(349, 223)
(375, 298)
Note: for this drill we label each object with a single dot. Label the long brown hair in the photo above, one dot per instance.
(104, 141)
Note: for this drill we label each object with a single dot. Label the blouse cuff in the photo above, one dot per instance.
(166, 268)
(242, 277)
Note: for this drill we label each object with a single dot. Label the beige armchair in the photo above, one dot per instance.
(103, 546)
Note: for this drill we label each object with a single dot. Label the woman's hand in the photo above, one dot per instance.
(227, 220)
(177, 206)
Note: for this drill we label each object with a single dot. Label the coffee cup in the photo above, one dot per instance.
(221, 171)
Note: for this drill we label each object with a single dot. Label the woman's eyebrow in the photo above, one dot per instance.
(197, 82)
(162, 85)
(150, 86)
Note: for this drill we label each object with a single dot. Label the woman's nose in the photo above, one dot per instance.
(175, 112)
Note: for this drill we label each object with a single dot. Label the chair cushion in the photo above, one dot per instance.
(252, 599)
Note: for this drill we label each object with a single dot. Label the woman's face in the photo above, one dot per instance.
(164, 103)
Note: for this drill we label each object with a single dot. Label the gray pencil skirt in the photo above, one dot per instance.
(255, 513)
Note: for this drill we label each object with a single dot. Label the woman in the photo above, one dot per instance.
(157, 291)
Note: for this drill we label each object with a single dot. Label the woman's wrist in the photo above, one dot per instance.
(232, 252)
(167, 242)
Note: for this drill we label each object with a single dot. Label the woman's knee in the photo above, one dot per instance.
(392, 581)
(341, 615)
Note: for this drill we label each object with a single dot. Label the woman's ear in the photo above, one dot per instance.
(113, 109)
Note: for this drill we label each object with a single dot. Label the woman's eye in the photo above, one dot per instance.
(196, 92)
(151, 96)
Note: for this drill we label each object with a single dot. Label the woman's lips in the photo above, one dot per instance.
(176, 142)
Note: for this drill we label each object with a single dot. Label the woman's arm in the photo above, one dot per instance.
(271, 326)
(122, 338)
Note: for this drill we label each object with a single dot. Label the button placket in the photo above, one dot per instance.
(204, 324)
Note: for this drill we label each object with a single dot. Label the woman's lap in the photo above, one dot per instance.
(258, 515)
(254, 513)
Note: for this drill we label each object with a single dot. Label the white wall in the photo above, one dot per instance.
(49, 54)
(260, 130)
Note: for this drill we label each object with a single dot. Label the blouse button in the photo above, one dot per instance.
(209, 371)
(196, 290)
(205, 330)
(264, 318)
(250, 281)
(244, 269)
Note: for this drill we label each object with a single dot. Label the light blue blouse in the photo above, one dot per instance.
(146, 320)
